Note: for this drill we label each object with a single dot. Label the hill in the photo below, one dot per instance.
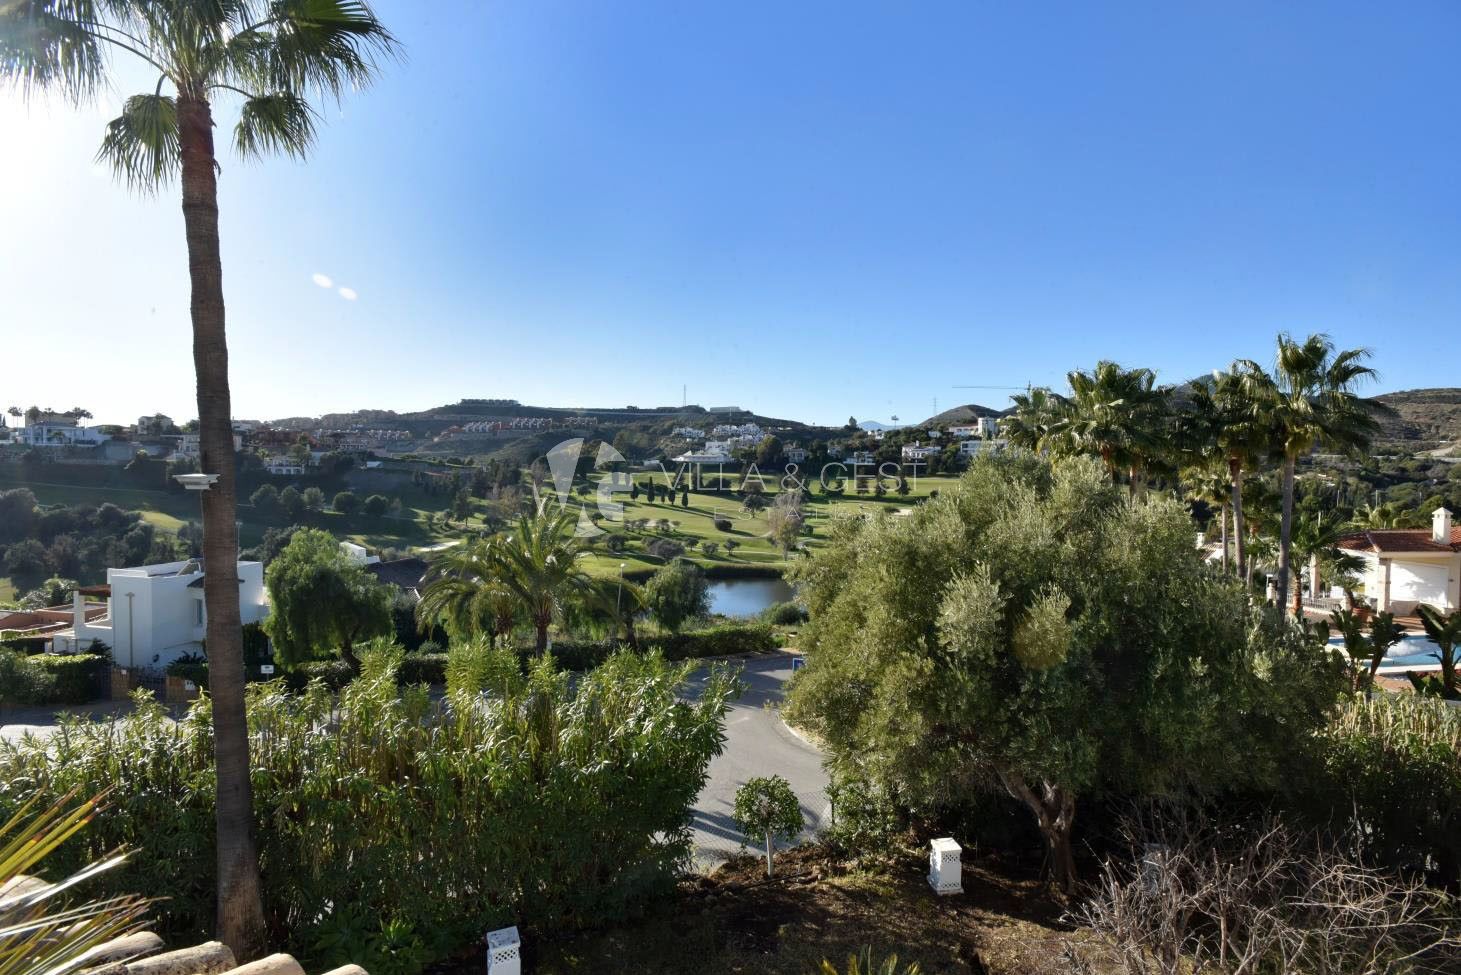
(961, 414)
(1424, 418)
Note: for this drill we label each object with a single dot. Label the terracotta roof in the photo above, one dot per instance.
(1382, 540)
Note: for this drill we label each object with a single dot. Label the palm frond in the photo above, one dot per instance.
(319, 47)
(46, 46)
(141, 145)
(281, 122)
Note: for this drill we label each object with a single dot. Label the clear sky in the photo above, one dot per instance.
(810, 209)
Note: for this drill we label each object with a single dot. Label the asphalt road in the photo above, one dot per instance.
(758, 742)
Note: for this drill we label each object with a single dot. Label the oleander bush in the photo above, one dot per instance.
(394, 830)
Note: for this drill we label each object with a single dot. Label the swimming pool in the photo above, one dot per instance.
(1414, 652)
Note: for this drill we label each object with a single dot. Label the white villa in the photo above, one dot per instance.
(1405, 567)
(59, 431)
(918, 451)
(984, 426)
(155, 613)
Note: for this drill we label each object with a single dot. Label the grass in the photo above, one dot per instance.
(754, 549)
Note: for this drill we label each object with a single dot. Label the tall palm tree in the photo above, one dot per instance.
(1310, 401)
(270, 59)
(1035, 422)
(1120, 415)
(1236, 431)
(1211, 488)
(539, 563)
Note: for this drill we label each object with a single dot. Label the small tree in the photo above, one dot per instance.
(786, 521)
(677, 592)
(767, 807)
(730, 546)
(377, 505)
(321, 600)
(314, 498)
(345, 502)
(685, 497)
(291, 503)
(266, 498)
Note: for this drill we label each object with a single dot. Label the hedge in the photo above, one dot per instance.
(716, 641)
(69, 680)
(422, 668)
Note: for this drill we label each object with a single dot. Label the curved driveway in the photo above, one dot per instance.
(758, 743)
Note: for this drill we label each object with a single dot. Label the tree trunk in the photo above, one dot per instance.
(1227, 548)
(1054, 809)
(240, 908)
(1285, 530)
(1235, 472)
(768, 853)
(541, 625)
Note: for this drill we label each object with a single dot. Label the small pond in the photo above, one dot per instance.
(746, 597)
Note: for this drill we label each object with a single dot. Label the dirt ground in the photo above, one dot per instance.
(736, 921)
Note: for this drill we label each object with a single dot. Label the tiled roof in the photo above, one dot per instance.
(1383, 540)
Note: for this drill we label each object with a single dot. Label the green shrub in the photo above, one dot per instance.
(716, 641)
(334, 674)
(423, 668)
(784, 614)
(190, 666)
(73, 679)
(1394, 763)
(393, 829)
(22, 683)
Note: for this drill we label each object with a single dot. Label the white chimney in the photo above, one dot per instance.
(1441, 526)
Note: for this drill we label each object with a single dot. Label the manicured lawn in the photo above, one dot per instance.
(748, 531)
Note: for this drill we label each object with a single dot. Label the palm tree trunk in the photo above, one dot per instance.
(541, 625)
(1235, 473)
(240, 905)
(1223, 515)
(1285, 529)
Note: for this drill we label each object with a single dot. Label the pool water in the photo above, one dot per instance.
(1414, 652)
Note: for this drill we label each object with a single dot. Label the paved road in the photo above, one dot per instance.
(758, 742)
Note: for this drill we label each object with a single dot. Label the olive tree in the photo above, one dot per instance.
(1033, 630)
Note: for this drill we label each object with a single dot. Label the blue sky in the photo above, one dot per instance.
(808, 209)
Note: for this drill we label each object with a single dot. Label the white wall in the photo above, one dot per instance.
(1415, 582)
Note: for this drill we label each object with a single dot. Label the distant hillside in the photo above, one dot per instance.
(1430, 416)
(961, 414)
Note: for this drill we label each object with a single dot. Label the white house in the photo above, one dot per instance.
(984, 426)
(358, 554)
(795, 455)
(1405, 567)
(689, 433)
(972, 448)
(189, 445)
(862, 458)
(155, 613)
(918, 451)
(52, 431)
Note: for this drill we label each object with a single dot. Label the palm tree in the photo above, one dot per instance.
(465, 590)
(1120, 415)
(1310, 401)
(1445, 632)
(1211, 488)
(272, 58)
(539, 564)
(1235, 431)
(1035, 422)
(1317, 543)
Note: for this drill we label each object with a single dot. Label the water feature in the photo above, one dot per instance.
(746, 597)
